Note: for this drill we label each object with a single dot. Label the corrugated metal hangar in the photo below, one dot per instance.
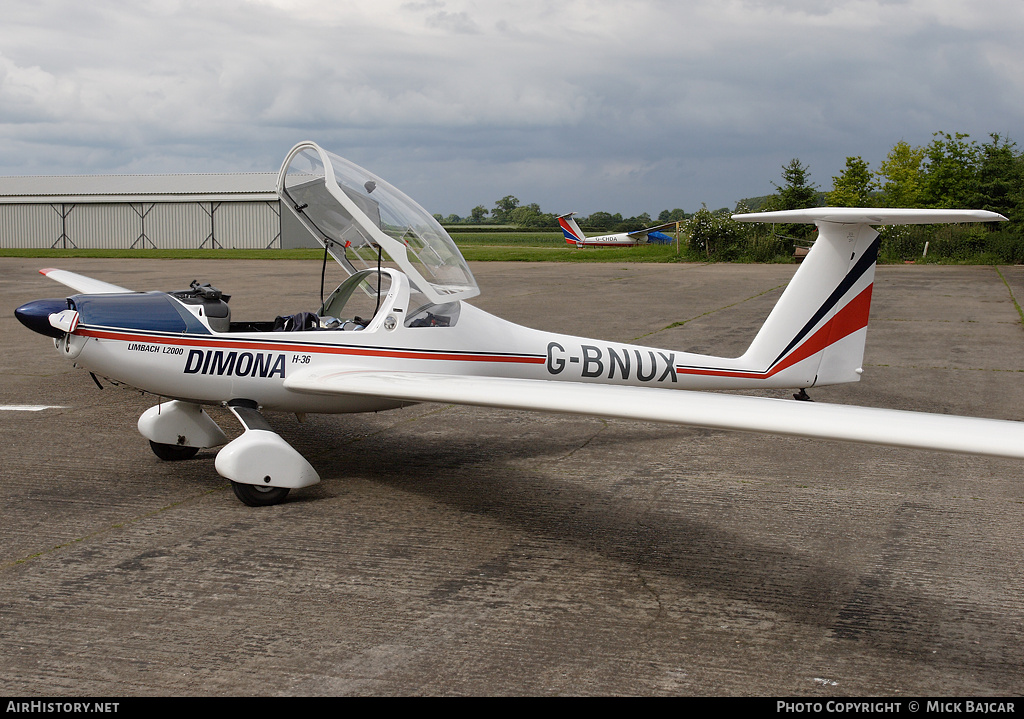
(239, 211)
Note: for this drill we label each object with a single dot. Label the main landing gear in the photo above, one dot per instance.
(262, 467)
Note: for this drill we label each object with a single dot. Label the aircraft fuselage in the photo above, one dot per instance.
(206, 367)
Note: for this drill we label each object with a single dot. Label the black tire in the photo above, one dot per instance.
(172, 452)
(258, 496)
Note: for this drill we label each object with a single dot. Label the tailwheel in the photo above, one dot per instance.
(172, 452)
(257, 495)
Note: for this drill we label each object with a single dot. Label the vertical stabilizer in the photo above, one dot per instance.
(816, 332)
(572, 232)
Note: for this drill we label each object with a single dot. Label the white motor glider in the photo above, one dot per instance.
(417, 339)
(574, 235)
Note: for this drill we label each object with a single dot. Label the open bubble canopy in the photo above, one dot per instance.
(352, 212)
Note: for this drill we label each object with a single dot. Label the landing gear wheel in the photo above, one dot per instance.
(258, 496)
(172, 452)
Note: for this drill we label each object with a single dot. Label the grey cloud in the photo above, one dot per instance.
(459, 22)
(580, 105)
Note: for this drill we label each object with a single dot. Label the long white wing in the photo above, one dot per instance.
(85, 285)
(919, 430)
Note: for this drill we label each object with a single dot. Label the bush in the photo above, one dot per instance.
(951, 243)
(1007, 246)
(714, 236)
(766, 247)
(957, 243)
(902, 242)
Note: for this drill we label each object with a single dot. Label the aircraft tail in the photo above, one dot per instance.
(573, 234)
(816, 332)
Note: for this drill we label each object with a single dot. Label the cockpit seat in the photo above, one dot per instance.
(214, 304)
(297, 322)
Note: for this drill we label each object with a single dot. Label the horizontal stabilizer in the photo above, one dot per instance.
(85, 285)
(1000, 438)
(872, 216)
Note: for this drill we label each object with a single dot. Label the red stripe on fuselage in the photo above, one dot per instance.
(194, 341)
(608, 244)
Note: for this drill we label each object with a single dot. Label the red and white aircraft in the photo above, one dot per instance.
(574, 235)
(415, 338)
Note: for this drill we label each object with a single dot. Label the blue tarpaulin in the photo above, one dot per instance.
(659, 238)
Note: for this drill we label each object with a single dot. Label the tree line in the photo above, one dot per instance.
(509, 211)
(952, 171)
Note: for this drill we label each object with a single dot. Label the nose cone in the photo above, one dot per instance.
(36, 315)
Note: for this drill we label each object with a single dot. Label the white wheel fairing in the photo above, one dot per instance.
(261, 457)
(181, 424)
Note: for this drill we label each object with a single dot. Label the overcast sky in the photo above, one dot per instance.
(576, 105)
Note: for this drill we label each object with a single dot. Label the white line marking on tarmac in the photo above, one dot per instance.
(29, 407)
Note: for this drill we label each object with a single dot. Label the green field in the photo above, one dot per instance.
(521, 239)
(948, 245)
(475, 246)
(564, 253)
